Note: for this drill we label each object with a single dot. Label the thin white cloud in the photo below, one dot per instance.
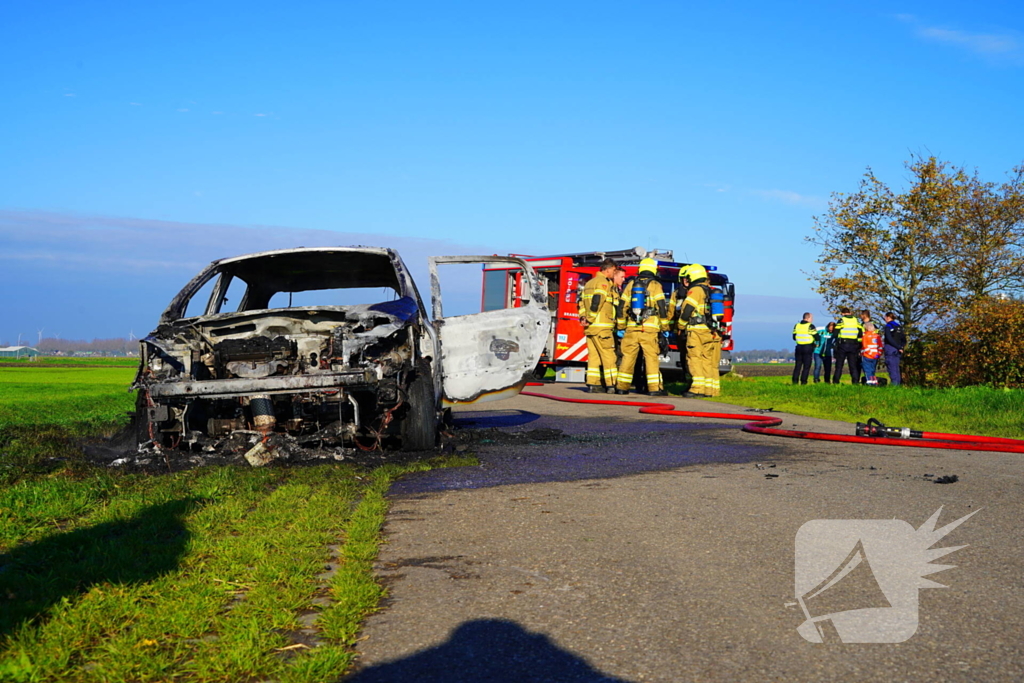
(183, 110)
(70, 94)
(90, 258)
(76, 238)
(982, 43)
(217, 112)
(788, 197)
(260, 115)
(1000, 46)
(135, 104)
(717, 187)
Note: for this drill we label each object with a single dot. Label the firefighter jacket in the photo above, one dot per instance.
(849, 329)
(803, 333)
(654, 316)
(597, 306)
(693, 312)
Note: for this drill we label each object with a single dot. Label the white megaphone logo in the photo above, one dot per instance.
(857, 581)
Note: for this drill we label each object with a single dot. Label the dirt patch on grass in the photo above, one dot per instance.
(764, 370)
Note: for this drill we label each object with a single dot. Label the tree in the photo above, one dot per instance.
(987, 232)
(965, 353)
(886, 251)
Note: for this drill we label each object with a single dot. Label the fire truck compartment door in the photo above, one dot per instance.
(490, 355)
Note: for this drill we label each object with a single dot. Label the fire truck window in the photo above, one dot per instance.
(552, 286)
(495, 290)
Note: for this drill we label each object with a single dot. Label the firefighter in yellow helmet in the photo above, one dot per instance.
(642, 325)
(597, 314)
(690, 307)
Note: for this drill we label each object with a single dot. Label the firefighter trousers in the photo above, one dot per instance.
(633, 342)
(601, 359)
(711, 382)
(702, 349)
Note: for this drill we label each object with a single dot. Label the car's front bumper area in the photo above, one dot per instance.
(285, 384)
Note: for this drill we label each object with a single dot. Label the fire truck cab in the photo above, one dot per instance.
(564, 276)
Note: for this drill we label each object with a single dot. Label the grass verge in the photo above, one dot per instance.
(973, 410)
(221, 574)
(212, 574)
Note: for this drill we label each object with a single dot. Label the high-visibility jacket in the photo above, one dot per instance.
(693, 310)
(849, 329)
(871, 345)
(597, 305)
(803, 333)
(656, 308)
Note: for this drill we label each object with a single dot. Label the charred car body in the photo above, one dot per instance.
(325, 345)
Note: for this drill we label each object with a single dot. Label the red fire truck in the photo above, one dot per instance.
(566, 274)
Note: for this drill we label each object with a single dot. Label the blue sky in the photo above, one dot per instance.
(141, 140)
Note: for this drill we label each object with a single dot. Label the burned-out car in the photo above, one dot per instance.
(325, 347)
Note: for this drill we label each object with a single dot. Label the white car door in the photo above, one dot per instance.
(490, 355)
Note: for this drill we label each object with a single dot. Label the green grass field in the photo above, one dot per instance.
(99, 361)
(972, 410)
(212, 574)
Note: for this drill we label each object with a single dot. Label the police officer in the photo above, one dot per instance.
(849, 332)
(895, 341)
(804, 336)
(597, 314)
(693, 315)
(642, 321)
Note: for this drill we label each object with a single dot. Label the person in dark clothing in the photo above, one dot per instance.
(804, 335)
(895, 340)
(823, 347)
(848, 342)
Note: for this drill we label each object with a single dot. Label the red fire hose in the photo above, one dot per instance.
(765, 424)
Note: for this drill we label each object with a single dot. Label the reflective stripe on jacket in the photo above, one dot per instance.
(655, 303)
(826, 340)
(871, 346)
(597, 306)
(695, 304)
(849, 329)
(803, 333)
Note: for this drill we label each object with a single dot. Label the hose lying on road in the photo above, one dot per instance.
(765, 424)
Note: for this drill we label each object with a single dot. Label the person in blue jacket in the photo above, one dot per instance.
(825, 342)
(895, 340)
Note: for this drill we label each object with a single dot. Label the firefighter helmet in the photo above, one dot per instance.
(648, 265)
(695, 272)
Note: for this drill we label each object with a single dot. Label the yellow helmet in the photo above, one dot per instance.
(649, 265)
(694, 271)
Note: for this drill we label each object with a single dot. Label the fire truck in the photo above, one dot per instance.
(565, 276)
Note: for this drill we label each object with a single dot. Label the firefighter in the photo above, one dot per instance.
(691, 308)
(617, 281)
(597, 314)
(849, 332)
(642, 324)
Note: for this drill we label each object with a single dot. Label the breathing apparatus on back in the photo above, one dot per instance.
(713, 314)
(638, 306)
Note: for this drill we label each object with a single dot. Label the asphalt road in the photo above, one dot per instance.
(645, 548)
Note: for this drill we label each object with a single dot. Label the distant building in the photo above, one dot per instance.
(18, 352)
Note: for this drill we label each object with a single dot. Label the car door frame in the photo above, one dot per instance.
(495, 347)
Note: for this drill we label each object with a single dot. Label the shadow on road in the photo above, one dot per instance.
(493, 650)
(36, 576)
(498, 419)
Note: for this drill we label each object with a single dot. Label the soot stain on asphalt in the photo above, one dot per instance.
(515, 447)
